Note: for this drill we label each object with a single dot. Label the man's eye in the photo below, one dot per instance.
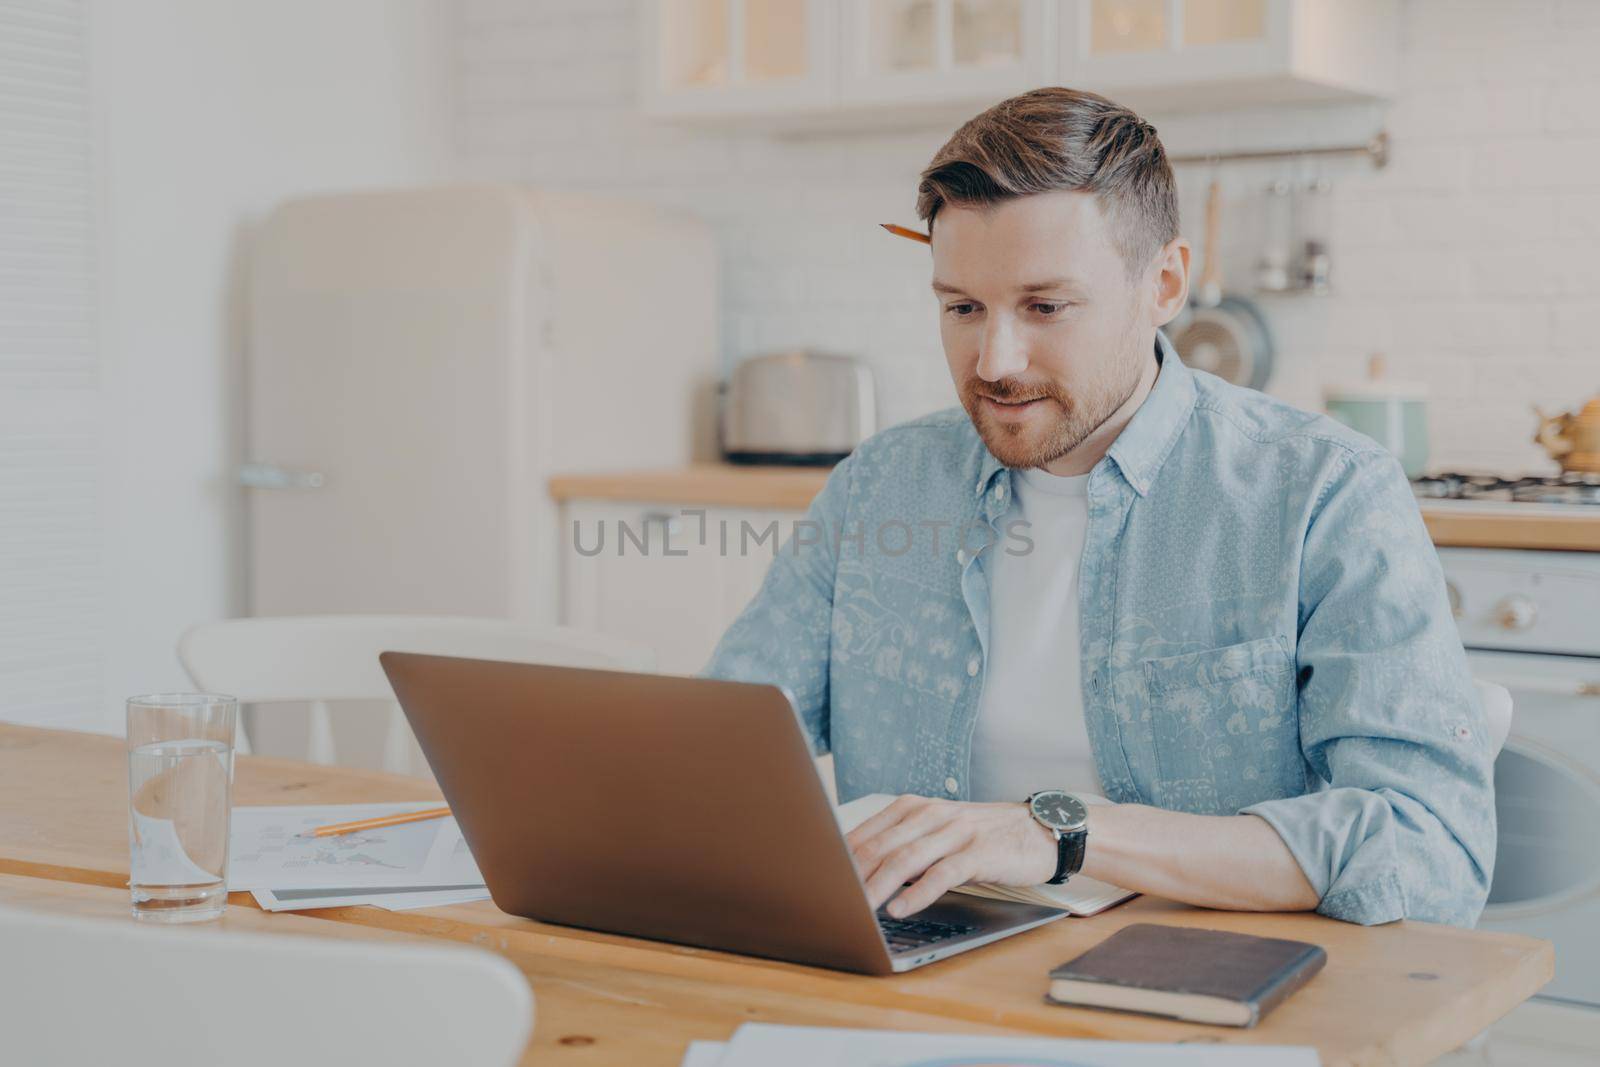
(956, 310)
(1048, 309)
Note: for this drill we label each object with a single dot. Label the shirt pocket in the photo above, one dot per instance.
(1227, 727)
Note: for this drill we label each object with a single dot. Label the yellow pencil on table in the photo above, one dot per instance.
(373, 824)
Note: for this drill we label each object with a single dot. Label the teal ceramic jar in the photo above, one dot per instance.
(1392, 413)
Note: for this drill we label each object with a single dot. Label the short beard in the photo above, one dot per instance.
(1083, 411)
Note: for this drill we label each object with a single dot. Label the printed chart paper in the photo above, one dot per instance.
(390, 898)
(265, 851)
(765, 1045)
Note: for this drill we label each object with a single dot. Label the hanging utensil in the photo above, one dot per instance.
(1315, 209)
(1222, 333)
(1277, 244)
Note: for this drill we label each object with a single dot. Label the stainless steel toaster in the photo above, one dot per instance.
(799, 407)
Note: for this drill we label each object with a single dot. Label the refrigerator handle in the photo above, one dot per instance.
(272, 476)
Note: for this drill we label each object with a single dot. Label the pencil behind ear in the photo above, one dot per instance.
(901, 231)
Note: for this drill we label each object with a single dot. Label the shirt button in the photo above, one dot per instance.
(951, 785)
(1000, 492)
(972, 667)
(961, 556)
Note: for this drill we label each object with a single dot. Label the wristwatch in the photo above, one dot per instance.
(1067, 817)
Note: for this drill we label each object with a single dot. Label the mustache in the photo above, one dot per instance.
(1008, 390)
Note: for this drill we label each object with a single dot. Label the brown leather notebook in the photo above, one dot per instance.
(1203, 976)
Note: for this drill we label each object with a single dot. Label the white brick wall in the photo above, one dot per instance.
(1469, 261)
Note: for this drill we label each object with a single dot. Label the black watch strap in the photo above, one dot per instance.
(1069, 854)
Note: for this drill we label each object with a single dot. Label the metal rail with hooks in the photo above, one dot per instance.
(1376, 150)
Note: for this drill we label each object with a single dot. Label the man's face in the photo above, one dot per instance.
(1045, 333)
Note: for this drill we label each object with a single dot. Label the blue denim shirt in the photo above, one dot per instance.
(1263, 629)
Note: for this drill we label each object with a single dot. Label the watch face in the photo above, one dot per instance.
(1058, 810)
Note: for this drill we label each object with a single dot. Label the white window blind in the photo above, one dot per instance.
(51, 579)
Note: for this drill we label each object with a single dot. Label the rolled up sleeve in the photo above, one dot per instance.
(1403, 825)
(782, 637)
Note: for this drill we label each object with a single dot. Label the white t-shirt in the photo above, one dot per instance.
(1030, 733)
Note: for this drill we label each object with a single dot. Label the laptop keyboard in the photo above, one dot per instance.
(905, 935)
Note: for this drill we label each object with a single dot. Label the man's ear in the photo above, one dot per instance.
(1169, 281)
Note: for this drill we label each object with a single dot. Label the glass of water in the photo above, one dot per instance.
(180, 782)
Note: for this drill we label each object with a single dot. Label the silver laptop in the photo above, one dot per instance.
(676, 809)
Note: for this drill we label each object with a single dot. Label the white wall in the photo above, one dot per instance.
(1468, 261)
(213, 111)
(51, 588)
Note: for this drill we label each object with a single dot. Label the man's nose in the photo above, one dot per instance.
(1001, 353)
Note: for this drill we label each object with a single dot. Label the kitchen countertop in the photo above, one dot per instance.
(1462, 524)
(1452, 524)
(718, 484)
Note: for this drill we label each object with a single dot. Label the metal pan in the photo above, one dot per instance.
(1220, 332)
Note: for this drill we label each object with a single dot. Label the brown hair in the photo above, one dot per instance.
(1055, 138)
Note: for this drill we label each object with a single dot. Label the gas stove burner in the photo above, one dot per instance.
(1567, 489)
(1433, 487)
(1455, 486)
(1571, 488)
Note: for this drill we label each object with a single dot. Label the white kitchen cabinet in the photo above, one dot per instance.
(935, 51)
(1171, 55)
(726, 58)
(640, 571)
(823, 64)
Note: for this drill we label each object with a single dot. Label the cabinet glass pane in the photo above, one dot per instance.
(694, 43)
(987, 33)
(774, 39)
(901, 35)
(1222, 21)
(1127, 26)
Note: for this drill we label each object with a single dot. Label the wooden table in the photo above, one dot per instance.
(1403, 993)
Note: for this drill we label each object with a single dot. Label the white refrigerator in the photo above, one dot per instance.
(420, 362)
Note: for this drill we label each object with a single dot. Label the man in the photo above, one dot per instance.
(1109, 574)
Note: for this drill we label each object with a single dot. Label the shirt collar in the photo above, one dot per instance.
(1144, 444)
(987, 468)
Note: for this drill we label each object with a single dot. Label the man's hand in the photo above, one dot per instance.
(948, 843)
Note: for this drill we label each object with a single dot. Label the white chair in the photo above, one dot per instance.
(323, 659)
(77, 990)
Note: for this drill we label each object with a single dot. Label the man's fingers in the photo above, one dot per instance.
(901, 807)
(940, 879)
(870, 854)
(910, 860)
